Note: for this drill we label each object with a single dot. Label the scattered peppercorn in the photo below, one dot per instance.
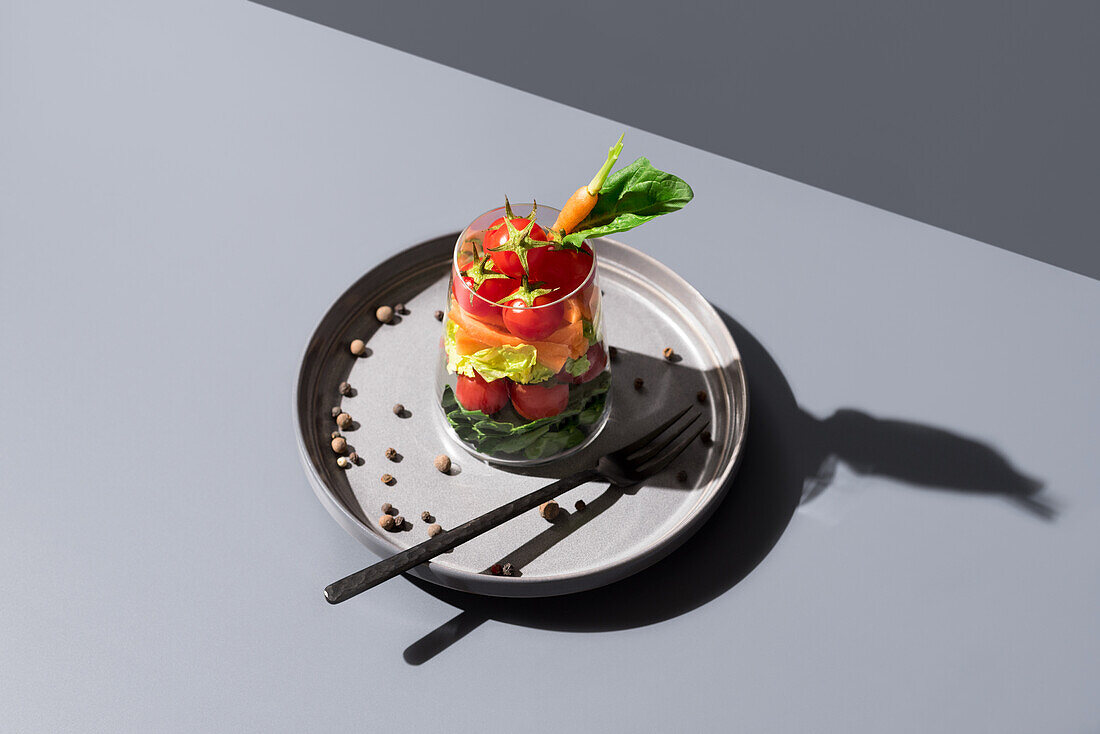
(398, 408)
(353, 457)
(443, 463)
(496, 569)
(639, 383)
(508, 569)
(400, 308)
(387, 521)
(391, 454)
(343, 420)
(339, 444)
(387, 508)
(345, 389)
(358, 347)
(426, 516)
(398, 522)
(705, 435)
(438, 315)
(681, 476)
(384, 314)
(336, 411)
(701, 396)
(549, 510)
(343, 462)
(669, 354)
(334, 434)
(387, 479)
(612, 353)
(580, 505)
(434, 530)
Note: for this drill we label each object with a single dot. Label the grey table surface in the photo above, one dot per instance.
(185, 189)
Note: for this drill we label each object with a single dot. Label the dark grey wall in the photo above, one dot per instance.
(978, 117)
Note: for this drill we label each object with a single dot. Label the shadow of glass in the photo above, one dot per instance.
(789, 459)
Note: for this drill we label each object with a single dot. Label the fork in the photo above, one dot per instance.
(627, 466)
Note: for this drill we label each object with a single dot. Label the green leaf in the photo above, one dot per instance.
(507, 432)
(631, 196)
(518, 363)
(578, 366)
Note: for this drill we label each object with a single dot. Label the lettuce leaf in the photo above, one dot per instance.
(578, 366)
(518, 363)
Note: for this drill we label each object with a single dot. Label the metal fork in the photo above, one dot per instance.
(627, 466)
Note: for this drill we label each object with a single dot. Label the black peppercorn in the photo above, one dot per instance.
(579, 505)
(701, 396)
(681, 476)
(398, 409)
(438, 315)
(391, 454)
(345, 389)
(639, 383)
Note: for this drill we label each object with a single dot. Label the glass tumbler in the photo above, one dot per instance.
(521, 381)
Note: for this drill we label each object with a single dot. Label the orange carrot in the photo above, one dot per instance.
(582, 201)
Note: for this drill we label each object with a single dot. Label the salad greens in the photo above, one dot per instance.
(629, 197)
(518, 363)
(510, 433)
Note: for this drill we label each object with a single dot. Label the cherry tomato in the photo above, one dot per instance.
(506, 261)
(541, 400)
(597, 358)
(564, 269)
(534, 324)
(491, 291)
(474, 393)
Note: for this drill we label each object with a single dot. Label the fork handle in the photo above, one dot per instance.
(398, 564)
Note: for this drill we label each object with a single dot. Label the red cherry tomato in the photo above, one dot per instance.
(541, 400)
(491, 291)
(597, 359)
(506, 261)
(534, 324)
(565, 269)
(474, 393)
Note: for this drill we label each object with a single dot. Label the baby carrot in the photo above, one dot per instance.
(583, 199)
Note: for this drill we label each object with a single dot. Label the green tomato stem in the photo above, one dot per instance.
(596, 183)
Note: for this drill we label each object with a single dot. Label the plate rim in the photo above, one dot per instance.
(559, 584)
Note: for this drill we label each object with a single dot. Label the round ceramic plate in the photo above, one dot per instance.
(646, 307)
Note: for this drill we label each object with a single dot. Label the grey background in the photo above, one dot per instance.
(185, 187)
(979, 116)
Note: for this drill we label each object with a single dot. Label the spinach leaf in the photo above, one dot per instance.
(631, 196)
(510, 433)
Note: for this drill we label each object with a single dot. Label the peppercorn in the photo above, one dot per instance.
(336, 411)
(343, 420)
(705, 435)
(334, 434)
(358, 347)
(438, 315)
(579, 505)
(391, 454)
(387, 521)
(426, 516)
(681, 476)
(353, 457)
(638, 383)
(343, 462)
(669, 354)
(400, 308)
(387, 508)
(387, 479)
(496, 569)
(345, 389)
(339, 444)
(701, 396)
(508, 569)
(549, 510)
(434, 530)
(443, 463)
(398, 522)
(398, 408)
(384, 314)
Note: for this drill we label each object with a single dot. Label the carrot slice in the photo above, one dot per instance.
(552, 353)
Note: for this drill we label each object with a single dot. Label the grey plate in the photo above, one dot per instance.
(646, 308)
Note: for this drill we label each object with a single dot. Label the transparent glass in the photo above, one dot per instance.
(523, 385)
